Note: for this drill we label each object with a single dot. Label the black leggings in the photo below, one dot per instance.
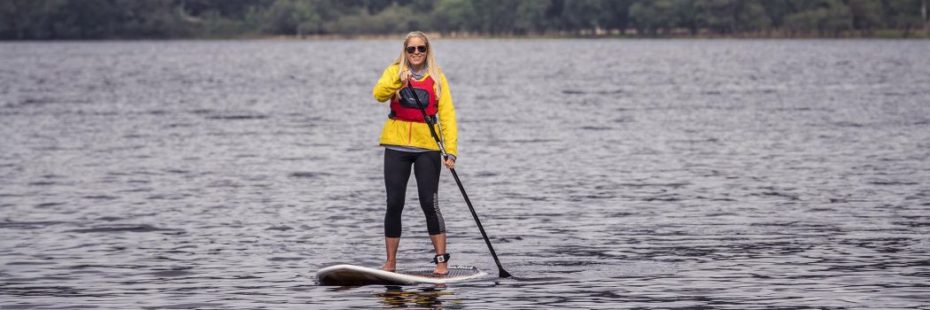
(426, 168)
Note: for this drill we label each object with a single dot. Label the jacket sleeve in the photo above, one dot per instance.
(447, 118)
(388, 84)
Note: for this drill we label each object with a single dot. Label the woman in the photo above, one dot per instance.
(407, 141)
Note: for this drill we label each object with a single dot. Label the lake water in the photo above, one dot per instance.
(609, 173)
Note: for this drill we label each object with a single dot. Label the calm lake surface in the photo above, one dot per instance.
(609, 173)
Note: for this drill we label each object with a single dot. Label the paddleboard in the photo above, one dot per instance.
(351, 275)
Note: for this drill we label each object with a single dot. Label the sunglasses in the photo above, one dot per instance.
(421, 48)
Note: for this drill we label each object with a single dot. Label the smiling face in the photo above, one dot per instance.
(416, 50)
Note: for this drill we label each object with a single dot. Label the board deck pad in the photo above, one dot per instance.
(351, 275)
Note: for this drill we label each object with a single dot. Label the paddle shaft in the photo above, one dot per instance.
(429, 122)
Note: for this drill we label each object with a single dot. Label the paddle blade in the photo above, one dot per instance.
(503, 273)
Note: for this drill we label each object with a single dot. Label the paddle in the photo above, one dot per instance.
(429, 121)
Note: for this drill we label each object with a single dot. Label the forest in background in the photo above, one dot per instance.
(167, 19)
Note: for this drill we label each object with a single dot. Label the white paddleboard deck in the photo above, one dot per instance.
(351, 275)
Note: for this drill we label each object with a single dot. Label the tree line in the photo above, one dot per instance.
(133, 19)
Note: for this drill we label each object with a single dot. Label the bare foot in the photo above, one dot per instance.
(441, 268)
(389, 266)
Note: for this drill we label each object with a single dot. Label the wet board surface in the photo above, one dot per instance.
(351, 275)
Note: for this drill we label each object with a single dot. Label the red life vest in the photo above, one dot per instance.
(407, 110)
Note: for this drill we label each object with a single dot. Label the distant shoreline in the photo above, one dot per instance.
(518, 19)
(878, 35)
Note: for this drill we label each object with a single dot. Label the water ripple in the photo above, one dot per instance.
(740, 174)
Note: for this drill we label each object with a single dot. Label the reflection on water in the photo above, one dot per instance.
(608, 174)
(418, 297)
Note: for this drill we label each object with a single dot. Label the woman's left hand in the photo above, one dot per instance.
(449, 162)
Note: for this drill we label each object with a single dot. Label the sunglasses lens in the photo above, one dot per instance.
(411, 49)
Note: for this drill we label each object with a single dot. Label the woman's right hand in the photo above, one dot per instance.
(404, 76)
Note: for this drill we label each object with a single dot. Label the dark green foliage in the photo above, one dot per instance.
(106, 19)
(651, 17)
(733, 16)
(823, 17)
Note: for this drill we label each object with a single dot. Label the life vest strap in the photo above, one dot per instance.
(433, 118)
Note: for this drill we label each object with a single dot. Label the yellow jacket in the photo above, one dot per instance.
(415, 134)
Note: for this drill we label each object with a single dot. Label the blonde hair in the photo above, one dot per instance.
(432, 67)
